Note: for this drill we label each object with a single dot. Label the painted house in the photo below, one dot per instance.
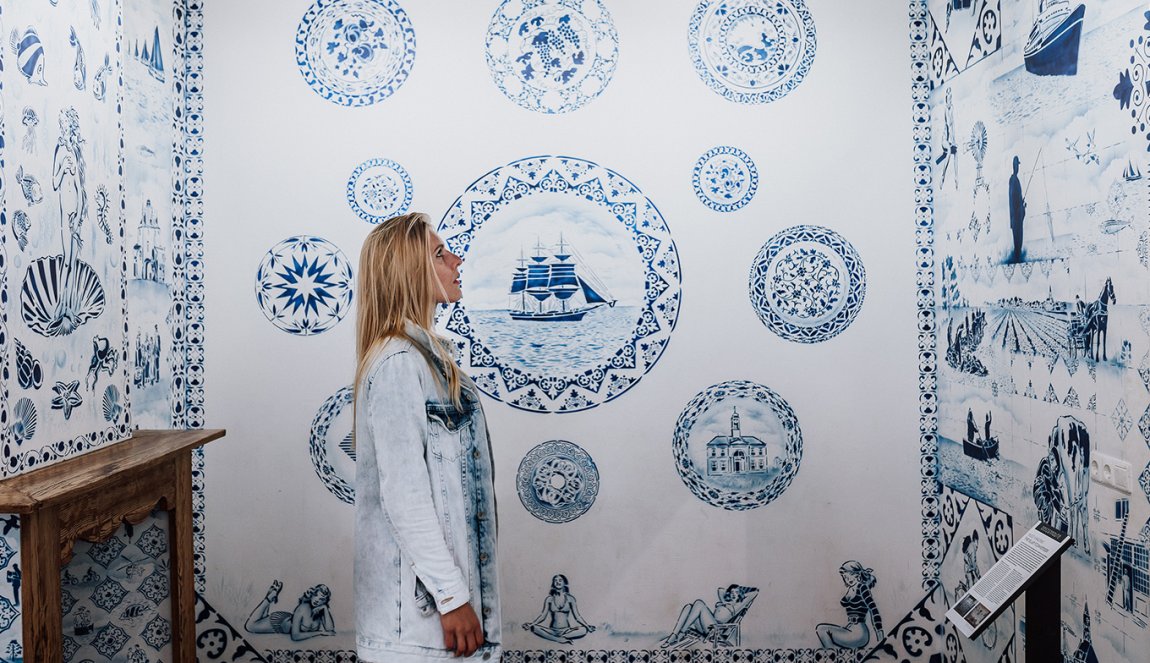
(736, 453)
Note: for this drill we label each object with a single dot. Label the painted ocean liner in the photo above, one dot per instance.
(544, 287)
(1052, 47)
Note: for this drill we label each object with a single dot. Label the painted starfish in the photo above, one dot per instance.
(67, 397)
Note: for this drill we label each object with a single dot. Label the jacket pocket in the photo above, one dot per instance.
(449, 428)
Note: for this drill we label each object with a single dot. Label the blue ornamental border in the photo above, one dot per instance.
(930, 486)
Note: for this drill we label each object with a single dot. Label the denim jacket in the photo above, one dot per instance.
(425, 510)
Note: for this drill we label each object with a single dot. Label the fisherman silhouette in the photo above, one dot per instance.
(1017, 212)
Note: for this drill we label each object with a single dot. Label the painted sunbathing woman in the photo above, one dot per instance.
(560, 608)
(696, 619)
(311, 617)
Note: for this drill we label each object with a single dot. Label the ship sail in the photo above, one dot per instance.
(555, 278)
(157, 61)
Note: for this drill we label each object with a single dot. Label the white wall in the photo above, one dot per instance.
(834, 153)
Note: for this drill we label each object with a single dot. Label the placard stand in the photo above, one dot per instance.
(1031, 565)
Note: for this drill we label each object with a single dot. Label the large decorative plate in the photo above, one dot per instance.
(355, 52)
(725, 179)
(570, 285)
(330, 445)
(557, 481)
(752, 51)
(552, 56)
(737, 445)
(378, 190)
(304, 285)
(807, 284)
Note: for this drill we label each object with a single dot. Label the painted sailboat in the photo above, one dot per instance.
(544, 287)
(1052, 47)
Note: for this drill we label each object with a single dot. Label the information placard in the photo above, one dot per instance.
(1007, 579)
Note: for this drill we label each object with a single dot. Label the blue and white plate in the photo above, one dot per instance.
(304, 285)
(807, 284)
(752, 51)
(355, 52)
(725, 178)
(378, 190)
(571, 283)
(330, 445)
(557, 481)
(737, 445)
(552, 56)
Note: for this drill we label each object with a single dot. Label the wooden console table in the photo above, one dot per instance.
(88, 497)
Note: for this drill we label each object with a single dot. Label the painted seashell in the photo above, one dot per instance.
(57, 297)
(112, 407)
(23, 420)
(29, 373)
(29, 55)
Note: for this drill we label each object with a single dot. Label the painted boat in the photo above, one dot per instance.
(551, 280)
(1052, 47)
(981, 449)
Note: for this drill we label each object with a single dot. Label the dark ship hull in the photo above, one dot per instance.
(1052, 49)
(981, 449)
(552, 316)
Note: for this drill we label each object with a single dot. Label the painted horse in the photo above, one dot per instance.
(1087, 331)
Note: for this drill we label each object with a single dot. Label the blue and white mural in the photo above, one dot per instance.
(331, 446)
(719, 625)
(379, 189)
(752, 51)
(862, 611)
(309, 618)
(355, 52)
(116, 596)
(11, 614)
(68, 317)
(725, 178)
(807, 284)
(304, 285)
(557, 481)
(570, 285)
(961, 34)
(552, 56)
(1041, 300)
(560, 620)
(150, 200)
(727, 465)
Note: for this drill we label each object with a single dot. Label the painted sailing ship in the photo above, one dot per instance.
(153, 60)
(543, 287)
(1052, 47)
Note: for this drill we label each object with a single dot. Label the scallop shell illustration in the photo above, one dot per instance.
(57, 297)
(112, 407)
(23, 420)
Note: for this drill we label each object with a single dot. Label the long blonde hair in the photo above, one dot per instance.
(397, 285)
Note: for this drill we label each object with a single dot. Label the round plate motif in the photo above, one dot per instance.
(330, 448)
(752, 51)
(557, 481)
(304, 285)
(807, 284)
(355, 52)
(737, 445)
(378, 190)
(603, 294)
(725, 179)
(552, 56)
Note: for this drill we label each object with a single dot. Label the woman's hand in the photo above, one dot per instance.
(462, 632)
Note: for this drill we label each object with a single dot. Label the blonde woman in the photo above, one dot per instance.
(425, 572)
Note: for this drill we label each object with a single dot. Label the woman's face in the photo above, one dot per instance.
(848, 577)
(446, 271)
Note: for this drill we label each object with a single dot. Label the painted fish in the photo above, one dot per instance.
(30, 186)
(20, 227)
(100, 80)
(79, 69)
(1114, 226)
(29, 55)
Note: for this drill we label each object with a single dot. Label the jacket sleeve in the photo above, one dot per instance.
(397, 425)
